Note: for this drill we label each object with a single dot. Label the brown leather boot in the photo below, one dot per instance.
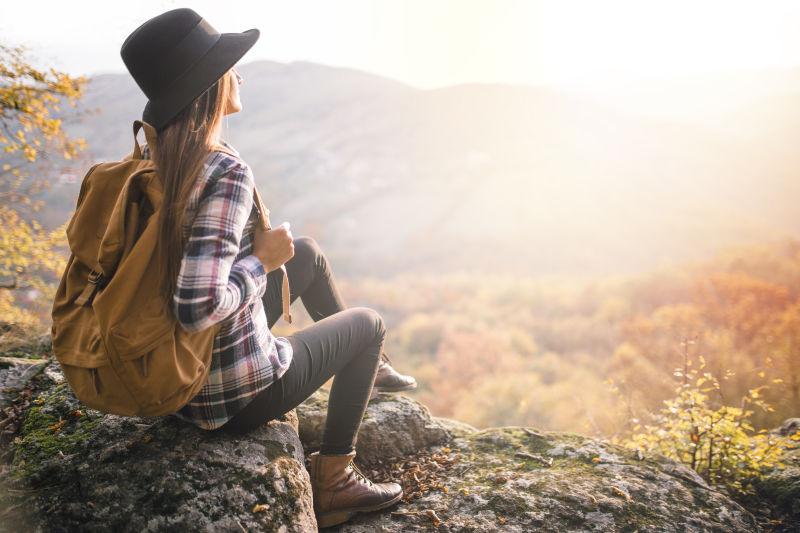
(340, 489)
(389, 380)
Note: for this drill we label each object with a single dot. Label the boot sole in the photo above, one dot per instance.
(332, 518)
(396, 389)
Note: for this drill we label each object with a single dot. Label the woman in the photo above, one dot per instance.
(222, 266)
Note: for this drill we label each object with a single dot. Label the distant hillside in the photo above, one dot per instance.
(501, 178)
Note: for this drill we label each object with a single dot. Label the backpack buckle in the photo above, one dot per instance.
(98, 279)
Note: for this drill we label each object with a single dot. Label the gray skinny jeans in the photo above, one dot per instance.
(343, 342)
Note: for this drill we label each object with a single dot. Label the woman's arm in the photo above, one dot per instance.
(210, 285)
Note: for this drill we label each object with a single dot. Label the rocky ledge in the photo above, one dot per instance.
(68, 468)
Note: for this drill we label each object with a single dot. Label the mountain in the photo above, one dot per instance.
(521, 179)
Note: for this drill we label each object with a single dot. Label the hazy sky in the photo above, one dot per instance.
(430, 43)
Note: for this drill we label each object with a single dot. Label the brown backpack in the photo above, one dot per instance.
(119, 345)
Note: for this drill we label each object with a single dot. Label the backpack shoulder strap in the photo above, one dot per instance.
(263, 213)
(149, 134)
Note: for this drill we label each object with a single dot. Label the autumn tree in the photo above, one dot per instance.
(30, 134)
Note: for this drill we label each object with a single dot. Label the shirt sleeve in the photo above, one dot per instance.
(210, 285)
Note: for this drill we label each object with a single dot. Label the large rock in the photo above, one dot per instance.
(96, 472)
(515, 479)
(778, 493)
(789, 427)
(393, 426)
(75, 469)
(15, 375)
(456, 427)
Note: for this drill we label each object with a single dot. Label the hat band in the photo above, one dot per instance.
(188, 51)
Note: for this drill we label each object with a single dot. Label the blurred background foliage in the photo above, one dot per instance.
(31, 257)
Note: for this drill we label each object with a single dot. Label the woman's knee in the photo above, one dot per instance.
(306, 248)
(370, 319)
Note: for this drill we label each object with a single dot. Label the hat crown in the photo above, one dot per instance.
(176, 56)
(164, 47)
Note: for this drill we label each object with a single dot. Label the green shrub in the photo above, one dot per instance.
(714, 439)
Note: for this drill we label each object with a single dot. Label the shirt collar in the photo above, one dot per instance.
(229, 146)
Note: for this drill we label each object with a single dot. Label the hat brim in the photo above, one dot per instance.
(203, 74)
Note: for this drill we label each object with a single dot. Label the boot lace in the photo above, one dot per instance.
(359, 473)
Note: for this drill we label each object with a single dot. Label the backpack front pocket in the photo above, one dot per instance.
(162, 365)
(84, 360)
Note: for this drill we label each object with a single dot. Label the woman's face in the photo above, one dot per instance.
(234, 103)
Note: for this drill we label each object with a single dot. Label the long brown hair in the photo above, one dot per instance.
(180, 152)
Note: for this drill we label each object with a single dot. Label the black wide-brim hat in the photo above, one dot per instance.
(177, 56)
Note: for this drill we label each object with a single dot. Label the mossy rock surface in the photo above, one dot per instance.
(76, 469)
(778, 493)
(515, 479)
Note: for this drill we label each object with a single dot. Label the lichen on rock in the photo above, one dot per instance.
(76, 469)
(516, 479)
(93, 471)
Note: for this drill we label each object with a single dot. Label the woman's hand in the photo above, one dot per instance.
(273, 247)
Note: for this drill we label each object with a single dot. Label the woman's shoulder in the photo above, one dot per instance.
(224, 158)
(227, 170)
(225, 148)
(229, 147)
(222, 161)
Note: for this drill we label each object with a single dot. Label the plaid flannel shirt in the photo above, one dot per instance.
(221, 281)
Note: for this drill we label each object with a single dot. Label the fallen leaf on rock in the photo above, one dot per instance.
(526, 455)
(432, 515)
(418, 474)
(619, 492)
(429, 513)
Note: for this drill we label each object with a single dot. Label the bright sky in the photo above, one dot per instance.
(433, 43)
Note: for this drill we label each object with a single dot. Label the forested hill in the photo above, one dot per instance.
(503, 178)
